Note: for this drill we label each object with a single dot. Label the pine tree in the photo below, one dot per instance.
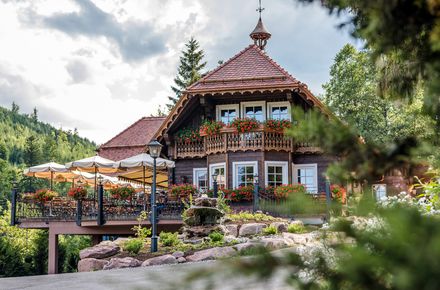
(32, 151)
(15, 108)
(34, 115)
(189, 70)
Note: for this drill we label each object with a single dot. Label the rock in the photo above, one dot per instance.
(193, 241)
(205, 201)
(91, 264)
(211, 254)
(202, 215)
(232, 229)
(246, 246)
(251, 229)
(229, 239)
(297, 222)
(302, 239)
(200, 231)
(107, 243)
(274, 243)
(100, 251)
(119, 263)
(161, 260)
(178, 254)
(280, 226)
(181, 260)
(120, 241)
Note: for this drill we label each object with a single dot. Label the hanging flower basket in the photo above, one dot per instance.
(78, 193)
(211, 128)
(244, 125)
(44, 195)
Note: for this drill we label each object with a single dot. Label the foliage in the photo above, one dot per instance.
(211, 127)
(188, 135)
(133, 246)
(69, 247)
(248, 216)
(122, 193)
(216, 237)
(296, 228)
(339, 193)
(270, 230)
(223, 205)
(77, 193)
(189, 70)
(168, 239)
(239, 194)
(183, 190)
(284, 191)
(43, 195)
(244, 125)
(142, 233)
(277, 125)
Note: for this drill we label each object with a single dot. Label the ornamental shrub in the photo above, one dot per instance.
(216, 237)
(296, 228)
(211, 127)
(244, 125)
(77, 193)
(270, 230)
(168, 239)
(133, 246)
(284, 191)
(277, 125)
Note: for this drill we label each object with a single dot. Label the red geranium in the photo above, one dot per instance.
(244, 125)
(77, 193)
(43, 195)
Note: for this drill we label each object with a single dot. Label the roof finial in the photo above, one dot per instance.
(260, 35)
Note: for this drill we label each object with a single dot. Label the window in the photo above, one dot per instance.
(306, 174)
(220, 169)
(279, 111)
(380, 191)
(227, 113)
(276, 173)
(244, 173)
(255, 110)
(200, 179)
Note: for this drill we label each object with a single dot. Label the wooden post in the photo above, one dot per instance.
(53, 253)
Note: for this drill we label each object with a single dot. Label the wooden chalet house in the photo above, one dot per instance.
(249, 85)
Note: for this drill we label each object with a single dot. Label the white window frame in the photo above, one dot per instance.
(295, 168)
(234, 170)
(283, 164)
(195, 177)
(376, 189)
(252, 104)
(211, 171)
(219, 108)
(278, 104)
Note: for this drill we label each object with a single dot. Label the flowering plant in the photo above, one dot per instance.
(338, 192)
(77, 193)
(211, 128)
(277, 125)
(183, 190)
(242, 193)
(122, 193)
(43, 195)
(283, 191)
(244, 125)
(188, 135)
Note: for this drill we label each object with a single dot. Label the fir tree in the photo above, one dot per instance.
(32, 151)
(15, 108)
(34, 115)
(189, 70)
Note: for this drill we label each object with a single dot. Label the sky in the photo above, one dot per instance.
(100, 65)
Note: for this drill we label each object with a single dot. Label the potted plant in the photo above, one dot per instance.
(77, 193)
(188, 135)
(183, 190)
(122, 193)
(244, 125)
(44, 195)
(277, 125)
(211, 128)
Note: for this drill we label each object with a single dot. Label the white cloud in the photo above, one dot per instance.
(100, 65)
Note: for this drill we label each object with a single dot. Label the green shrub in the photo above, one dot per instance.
(133, 246)
(296, 229)
(216, 237)
(169, 239)
(223, 205)
(248, 216)
(270, 230)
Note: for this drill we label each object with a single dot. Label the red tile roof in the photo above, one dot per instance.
(250, 68)
(132, 140)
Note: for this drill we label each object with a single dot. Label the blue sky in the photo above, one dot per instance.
(99, 65)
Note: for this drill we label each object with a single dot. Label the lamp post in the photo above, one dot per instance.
(154, 149)
(255, 199)
(215, 183)
(101, 220)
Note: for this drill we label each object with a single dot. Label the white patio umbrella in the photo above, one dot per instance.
(95, 164)
(47, 171)
(141, 162)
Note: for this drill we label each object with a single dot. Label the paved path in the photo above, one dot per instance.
(158, 278)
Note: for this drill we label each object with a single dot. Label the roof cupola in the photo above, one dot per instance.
(260, 35)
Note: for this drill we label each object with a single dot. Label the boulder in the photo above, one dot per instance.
(205, 201)
(181, 260)
(91, 264)
(211, 254)
(274, 243)
(251, 229)
(232, 229)
(119, 263)
(161, 260)
(100, 251)
(297, 222)
(120, 241)
(202, 215)
(301, 239)
(280, 226)
(178, 254)
(201, 231)
(247, 245)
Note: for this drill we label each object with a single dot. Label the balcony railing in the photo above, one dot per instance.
(230, 141)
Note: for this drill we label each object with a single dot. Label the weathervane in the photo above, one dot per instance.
(259, 8)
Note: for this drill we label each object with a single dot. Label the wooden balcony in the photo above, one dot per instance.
(230, 141)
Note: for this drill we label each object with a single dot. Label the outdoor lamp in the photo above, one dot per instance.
(100, 179)
(255, 178)
(215, 176)
(154, 148)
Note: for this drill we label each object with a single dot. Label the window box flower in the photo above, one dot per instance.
(244, 125)
(240, 194)
(277, 125)
(211, 128)
(183, 190)
(284, 191)
(188, 135)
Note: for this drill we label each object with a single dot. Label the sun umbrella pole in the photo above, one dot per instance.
(51, 180)
(145, 194)
(95, 187)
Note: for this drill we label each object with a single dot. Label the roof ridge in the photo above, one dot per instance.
(220, 66)
(123, 131)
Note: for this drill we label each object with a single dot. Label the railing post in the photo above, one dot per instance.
(78, 212)
(14, 204)
(101, 220)
(327, 197)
